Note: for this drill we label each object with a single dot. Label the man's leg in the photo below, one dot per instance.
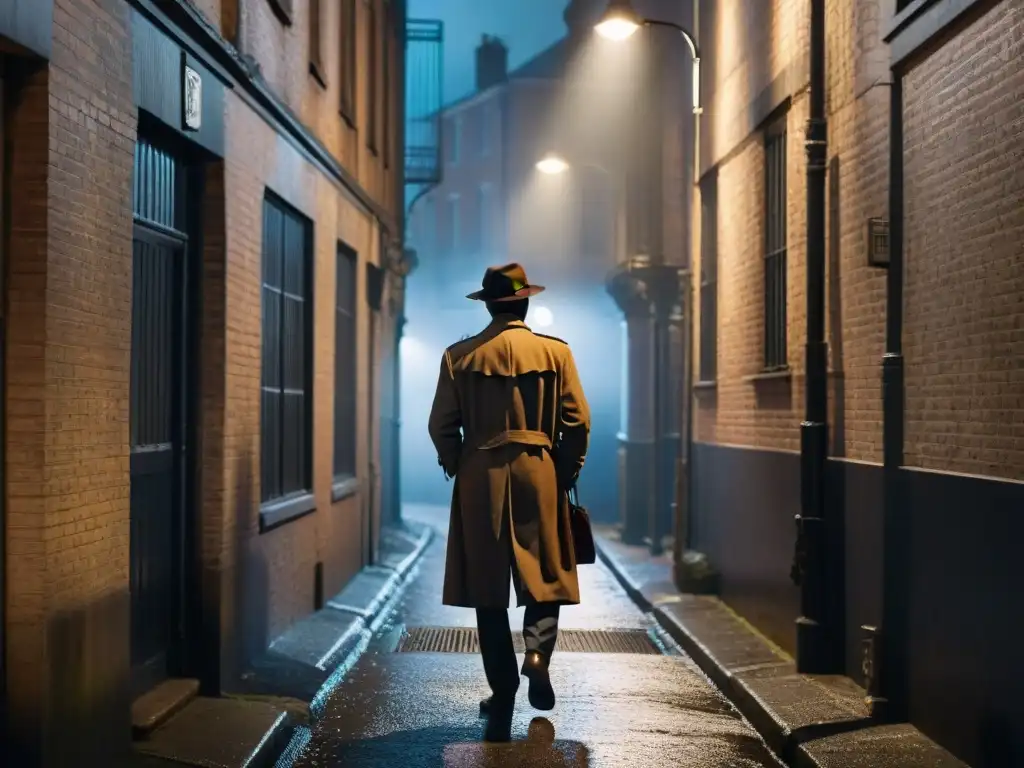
(540, 632)
(498, 654)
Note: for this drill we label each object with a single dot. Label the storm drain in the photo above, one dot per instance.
(464, 640)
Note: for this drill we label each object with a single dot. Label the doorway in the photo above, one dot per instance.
(159, 413)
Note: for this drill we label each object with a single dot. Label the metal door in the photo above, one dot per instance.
(157, 414)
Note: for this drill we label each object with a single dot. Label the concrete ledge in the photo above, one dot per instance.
(807, 720)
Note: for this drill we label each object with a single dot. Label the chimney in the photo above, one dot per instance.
(580, 16)
(491, 62)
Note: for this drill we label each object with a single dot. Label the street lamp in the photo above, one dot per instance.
(621, 20)
(552, 165)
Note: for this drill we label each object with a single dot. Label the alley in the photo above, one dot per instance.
(415, 709)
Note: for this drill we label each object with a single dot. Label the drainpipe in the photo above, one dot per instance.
(888, 687)
(815, 638)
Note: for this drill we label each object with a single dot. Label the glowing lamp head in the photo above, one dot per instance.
(619, 22)
(552, 165)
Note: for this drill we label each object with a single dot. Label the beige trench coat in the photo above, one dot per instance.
(511, 425)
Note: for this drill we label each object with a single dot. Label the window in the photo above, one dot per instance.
(316, 62)
(388, 91)
(347, 59)
(454, 140)
(775, 354)
(485, 217)
(282, 9)
(709, 278)
(345, 364)
(286, 376)
(372, 77)
(453, 224)
(483, 126)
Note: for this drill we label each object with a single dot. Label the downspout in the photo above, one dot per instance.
(816, 644)
(888, 685)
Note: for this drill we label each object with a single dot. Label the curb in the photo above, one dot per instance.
(349, 646)
(763, 692)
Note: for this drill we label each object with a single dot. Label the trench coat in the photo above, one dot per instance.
(511, 424)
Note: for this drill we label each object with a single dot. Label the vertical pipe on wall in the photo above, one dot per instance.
(816, 651)
(889, 697)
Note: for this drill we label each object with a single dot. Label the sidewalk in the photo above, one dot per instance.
(806, 720)
(284, 690)
(626, 694)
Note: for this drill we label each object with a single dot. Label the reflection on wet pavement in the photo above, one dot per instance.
(420, 710)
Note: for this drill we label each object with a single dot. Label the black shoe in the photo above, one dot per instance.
(495, 704)
(535, 669)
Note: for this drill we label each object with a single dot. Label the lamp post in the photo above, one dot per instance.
(671, 297)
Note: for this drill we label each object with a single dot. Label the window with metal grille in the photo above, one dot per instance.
(372, 77)
(345, 364)
(388, 91)
(316, 62)
(286, 378)
(775, 353)
(347, 59)
(708, 370)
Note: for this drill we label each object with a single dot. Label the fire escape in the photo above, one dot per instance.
(424, 76)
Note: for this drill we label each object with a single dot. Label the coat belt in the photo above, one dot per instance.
(517, 437)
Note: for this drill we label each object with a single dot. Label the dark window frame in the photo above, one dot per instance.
(348, 41)
(775, 246)
(316, 42)
(346, 368)
(284, 498)
(708, 362)
(387, 90)
(284, 10)
(372, 77)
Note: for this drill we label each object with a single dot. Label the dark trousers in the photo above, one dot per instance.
(540, 631)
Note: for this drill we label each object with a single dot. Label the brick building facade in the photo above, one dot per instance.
(201, 216)
(924, 132)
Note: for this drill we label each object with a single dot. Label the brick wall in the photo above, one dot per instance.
(746, 77)
(964, 256)
(72, 131)
(268, 578)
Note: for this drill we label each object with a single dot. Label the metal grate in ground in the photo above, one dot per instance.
(464, 640)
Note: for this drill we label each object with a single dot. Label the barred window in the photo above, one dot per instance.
(345, 364)
(316, 53)
(775, 353)
(286, 375)
(709, 277)
(347, 58)
(372, 77)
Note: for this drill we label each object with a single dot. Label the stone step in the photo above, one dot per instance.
(155, 707)
(221, 733)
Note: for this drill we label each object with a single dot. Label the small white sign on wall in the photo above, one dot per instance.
(192, 98)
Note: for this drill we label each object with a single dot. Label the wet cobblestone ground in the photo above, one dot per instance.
(420, 710)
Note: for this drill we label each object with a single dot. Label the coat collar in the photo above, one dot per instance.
(501, 322)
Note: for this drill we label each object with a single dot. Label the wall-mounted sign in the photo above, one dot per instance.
(192, 99)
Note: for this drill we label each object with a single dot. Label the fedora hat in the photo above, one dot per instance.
(506, 283)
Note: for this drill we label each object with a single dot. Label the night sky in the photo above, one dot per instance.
(526, 26)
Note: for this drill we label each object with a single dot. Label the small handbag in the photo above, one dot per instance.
(582, 533)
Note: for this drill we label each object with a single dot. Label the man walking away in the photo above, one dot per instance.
(511, 425)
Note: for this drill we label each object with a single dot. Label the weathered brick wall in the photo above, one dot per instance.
(282, 52)
(72, 132)
(269, 577)
(747, 76)
(964, 255)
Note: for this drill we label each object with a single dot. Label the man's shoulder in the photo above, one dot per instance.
(551, 338)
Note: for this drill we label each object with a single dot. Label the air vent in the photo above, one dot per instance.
(464, 640)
